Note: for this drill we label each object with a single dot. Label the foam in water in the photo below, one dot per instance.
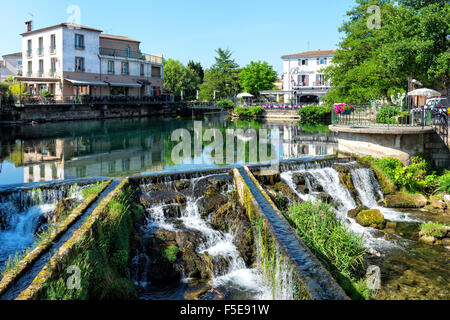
(217, 244)
(368, 190)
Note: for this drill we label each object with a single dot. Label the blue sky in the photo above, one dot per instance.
(180, 29)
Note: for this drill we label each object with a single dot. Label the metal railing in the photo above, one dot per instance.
(89, 100)
(441, 123)
(122, 53)
(383, 116)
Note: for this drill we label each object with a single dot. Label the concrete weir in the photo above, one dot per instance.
(313, 280)
(284, 259)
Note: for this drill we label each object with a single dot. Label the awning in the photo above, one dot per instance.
(37, 79)
(143, 81)
(86, 83)
(124, 84)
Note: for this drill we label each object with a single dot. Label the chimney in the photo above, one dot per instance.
(29, 26)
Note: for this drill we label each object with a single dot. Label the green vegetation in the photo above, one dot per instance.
(389, 115)
(93, 190)
(102, 254)
(315, 112)
(256, 77)
(248, 112)
(178, 78)
(226, 104)
(339, 250)
(444, 182)
(171, 253)
(434, 230)
(374, 62)
(222, 78)
(419, 177)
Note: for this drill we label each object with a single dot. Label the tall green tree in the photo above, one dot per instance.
(257, 76)
(222, 77)
(198, 69)
(178, 78)
(376, 62)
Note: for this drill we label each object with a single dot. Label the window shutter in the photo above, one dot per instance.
(307, 81)
(306, 61)
(317, 79)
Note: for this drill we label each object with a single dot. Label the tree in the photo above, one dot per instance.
(222, 77)
(15, 88)
(198, 69)
(257, 76)
(373, 63)
(178, 78)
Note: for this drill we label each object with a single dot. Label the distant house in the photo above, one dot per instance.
(11, 66)
(69, 60)
(303, 80)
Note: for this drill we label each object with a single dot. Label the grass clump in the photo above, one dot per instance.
(436, 230)
(341, 251)
(171, 253)
(93, 190)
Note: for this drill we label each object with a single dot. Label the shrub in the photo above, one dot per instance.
(387, 114)
(444, 182)
(388, 166)
(244, 112)
(226, 103)
(315, 112)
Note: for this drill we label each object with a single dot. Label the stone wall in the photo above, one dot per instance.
(49, 113)
(399, 143)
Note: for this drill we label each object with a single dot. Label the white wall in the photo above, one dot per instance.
(89, 53)
(47, 56)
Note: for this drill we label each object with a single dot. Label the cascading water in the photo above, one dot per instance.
(367, 188)
(23, 212)
(233, 277)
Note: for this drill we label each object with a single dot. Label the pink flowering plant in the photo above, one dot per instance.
(343, 108)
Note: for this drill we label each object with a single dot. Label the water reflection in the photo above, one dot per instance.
(115, 148)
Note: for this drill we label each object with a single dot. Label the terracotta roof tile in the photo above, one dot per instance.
(310, 53)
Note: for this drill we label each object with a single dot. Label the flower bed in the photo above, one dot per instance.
(343, 108)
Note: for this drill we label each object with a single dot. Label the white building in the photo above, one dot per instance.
(11, 66)
(68, 60)
(303, 79)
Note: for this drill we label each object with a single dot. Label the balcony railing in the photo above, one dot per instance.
(52, 72)
(52, 49)
(29, 53)
(154, 59)
(40, 52)
(122, 53)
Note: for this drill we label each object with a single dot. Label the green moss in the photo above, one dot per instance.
(171, 253)
(371, 218)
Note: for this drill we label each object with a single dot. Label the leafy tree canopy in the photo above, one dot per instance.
(257, 76)
(178, 78)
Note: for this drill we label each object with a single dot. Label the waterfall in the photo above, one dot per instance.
(22, 212)
(218, 245)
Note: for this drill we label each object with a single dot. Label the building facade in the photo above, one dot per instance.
(303, 78)
(70, 60)
(11, 66)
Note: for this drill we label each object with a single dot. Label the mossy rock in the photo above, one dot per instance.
(438, 203)
(181, 185)
(63, 209)
(371, 218)
(404, 201)
(299, 179)
(268, 177)
(211, 202)
(354, 212)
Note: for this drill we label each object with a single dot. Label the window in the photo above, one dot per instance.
(41, 67)
(79, 41)
(53, 66)
(320, 80)
(79, 64)
(111, 67)
(321, 60)
(156, 72)
(303, 62)
(41, 46)
(128, 52)
(52, 43)
(142, 70)
(30, 68)
(30, 49)
(125, 69)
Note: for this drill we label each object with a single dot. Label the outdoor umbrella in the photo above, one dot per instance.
(245, 95)
(424, 92)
